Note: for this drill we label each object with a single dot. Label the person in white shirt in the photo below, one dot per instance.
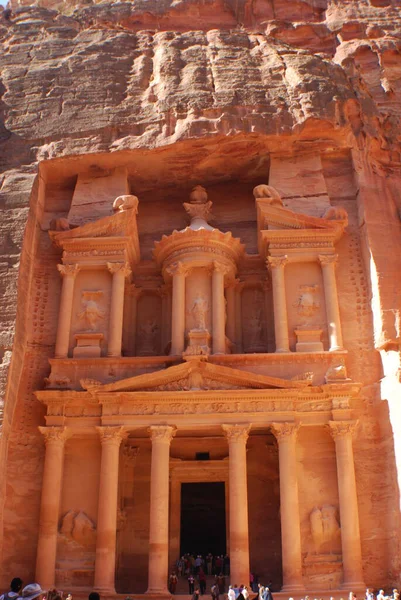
(231, 593)
(15, 589)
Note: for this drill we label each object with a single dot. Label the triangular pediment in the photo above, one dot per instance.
(195, 375)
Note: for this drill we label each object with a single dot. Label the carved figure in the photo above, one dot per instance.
(60, 224)
(199, 311)
(316, 525)
(336, 373)
(268, 192)
(125, 203)
(307, 303)
(335, 213)
(324, 528)
(92, 314)
(78, 527)
(148, 332)
(330, 523)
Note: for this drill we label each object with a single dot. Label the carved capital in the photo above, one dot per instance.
(111, 435)
(284, 431)
(55, 435)
(219, 267)
(328, 259)
(277, 262)
(162, 433)
(68, 270)
(237, 433)
(341, 429)
(122, 268)
(177, 268)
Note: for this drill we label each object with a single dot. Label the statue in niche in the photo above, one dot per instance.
(92, 314)
(199, 311)
(307, 303)
(77, 526)
(324, 528)
(255, 324)
(148, 331)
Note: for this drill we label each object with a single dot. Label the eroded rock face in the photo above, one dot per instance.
(238, 87)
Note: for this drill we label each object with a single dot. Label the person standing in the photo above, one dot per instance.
(195, 595)
(172, 583)
(231, 593)
(215, 593)
(15, 589)
(191, 584)
(202, 581)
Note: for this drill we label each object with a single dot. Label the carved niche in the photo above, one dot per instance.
(149, 325)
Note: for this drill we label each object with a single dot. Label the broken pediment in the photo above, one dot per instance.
(195, 375)
(279, 225)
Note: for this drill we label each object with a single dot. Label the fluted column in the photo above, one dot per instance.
(286, 435)
(161, 436)
(237, 436)
(68, 273)
(328, 262)
(119, 271)
(105, 562)
(342, 433)
(277, 264)
(178, 271)
(55, 438)
(230, 327)
(218, 309)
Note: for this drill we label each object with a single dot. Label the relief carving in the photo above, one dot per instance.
(268, 192)
(325, 529)
(148, 332)
(307, 304)
(199, 311)
(91, 314)
(77, 526)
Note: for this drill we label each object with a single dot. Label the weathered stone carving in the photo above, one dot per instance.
(307, 304)
(335, 213)
(198, 207)
(148, 331)
(199, 310)
(91, 314)
(79, 527)
(268, 192)
(336, 373)
(125, 203)
(325, 529)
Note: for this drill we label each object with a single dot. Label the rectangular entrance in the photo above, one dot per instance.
(203, 518)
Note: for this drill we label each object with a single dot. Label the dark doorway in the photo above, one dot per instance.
(203, 518)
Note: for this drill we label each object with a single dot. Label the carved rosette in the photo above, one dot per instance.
(162, 434)
(55, 435)
(111, 435)
(342, 429)
(122, 268)
(328, 259)
(177, 268)
(285, 431)
(277, 262)
(68, 270)
(237, 433)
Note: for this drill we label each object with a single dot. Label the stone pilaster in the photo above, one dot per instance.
(105, 564)
(342, 433)
(161, 436)
(230, 328)
(237, 436)
(68, 273)
(55, 438)
(328, 263)
(277, 264)
(218, 308)
(286, 435)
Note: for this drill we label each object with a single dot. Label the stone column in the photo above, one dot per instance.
(68, 273)
(178, 272)
(231, 317)
(237, 436)
(238, 316)
(165, 294)
(277, 264)
(55, 438)
(286, 435)
(105, 563)
(342, 432)
(328, 262)
(161, 436)
(218, 309)
(119, 271)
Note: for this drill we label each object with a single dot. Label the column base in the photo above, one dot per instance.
(293, 587)
(336, 349)
(353, 586)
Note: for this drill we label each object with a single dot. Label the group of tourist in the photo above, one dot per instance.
(33, 591)
(191, 564)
